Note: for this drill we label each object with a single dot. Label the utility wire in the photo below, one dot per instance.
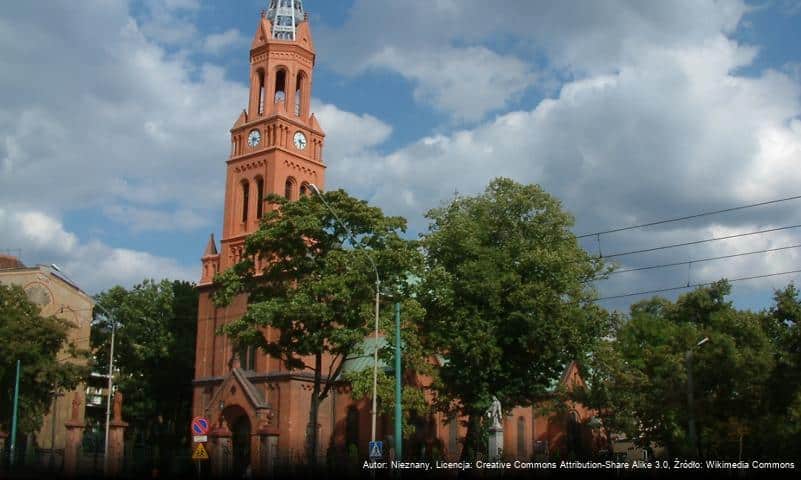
(689, 217)
(647, 292)
(696, 242)
(722, 257)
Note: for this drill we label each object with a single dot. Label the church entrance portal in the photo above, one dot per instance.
(240, 440)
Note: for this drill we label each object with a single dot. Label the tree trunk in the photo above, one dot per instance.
(314, 410)
(472, 438)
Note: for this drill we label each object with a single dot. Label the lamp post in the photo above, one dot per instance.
(690, 400)
(377, 302)
(110, 377)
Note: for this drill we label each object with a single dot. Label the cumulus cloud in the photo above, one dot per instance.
(111, 116)
(93, 265)
(675, 132)
(438, 42)
(217, 43)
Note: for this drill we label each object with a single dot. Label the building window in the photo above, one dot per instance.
(289, 187)
(299, 91)
(280, 86)
(521, 437)
(261, 92)
(304, 189)
(247, 358)
(245, 200)
(259, 197)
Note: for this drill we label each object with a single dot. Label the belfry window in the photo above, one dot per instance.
(245, 200)
(261, 92)
(299, 93)
(280, 86)
(259, 197)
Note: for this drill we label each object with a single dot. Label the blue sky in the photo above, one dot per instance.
(114, 120)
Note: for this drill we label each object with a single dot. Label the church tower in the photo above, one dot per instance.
(250, 400)
(276, 143)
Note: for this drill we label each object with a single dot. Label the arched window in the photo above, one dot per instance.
(261, 91)
(245, 200)
(352, 428)
(304, 189)
(259, 197)
(299, 91)
(521, 437)
(280, 86)
(289, 188)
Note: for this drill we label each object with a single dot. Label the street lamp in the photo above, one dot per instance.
(691, 420)
(110, 373)
(377, 301)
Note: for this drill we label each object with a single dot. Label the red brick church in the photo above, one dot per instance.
(257, 408)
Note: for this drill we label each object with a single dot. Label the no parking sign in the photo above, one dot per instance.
(200, 426)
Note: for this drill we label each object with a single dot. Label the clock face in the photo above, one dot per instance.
(254, 138)
(300, 140)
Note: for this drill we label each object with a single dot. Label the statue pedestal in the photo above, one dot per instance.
(495, 443)
(72, 447)
(116, 448)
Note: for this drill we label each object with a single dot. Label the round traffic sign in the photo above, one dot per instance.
(200, 426)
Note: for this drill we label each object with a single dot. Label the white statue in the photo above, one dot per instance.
(495, 414)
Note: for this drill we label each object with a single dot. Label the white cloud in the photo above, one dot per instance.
(220, 42)
(467, 82)
(93, 265)
(676, 132)
(442, 44)
(126, 123)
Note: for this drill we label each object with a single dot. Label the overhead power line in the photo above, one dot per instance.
(689, 217)
(696, 242)
(695, 285)
(699, 260)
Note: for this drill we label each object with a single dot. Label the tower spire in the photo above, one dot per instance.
(285, 16)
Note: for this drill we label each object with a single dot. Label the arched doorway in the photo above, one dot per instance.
(240, 440)
(239, 423)
(575, 447)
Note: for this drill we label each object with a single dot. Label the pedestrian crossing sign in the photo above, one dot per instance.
(200, 453)
(376, 449)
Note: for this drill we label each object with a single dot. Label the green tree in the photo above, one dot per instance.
(415, 362)
(780, 431)
(639, 382)
(317, 293)
(41, 344)
(507, 298)
(155, 354)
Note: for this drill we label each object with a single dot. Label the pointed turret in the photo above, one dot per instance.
(263, 32)
(243, 119)
(211, 247)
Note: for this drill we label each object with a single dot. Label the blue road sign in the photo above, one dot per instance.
(376, 449)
